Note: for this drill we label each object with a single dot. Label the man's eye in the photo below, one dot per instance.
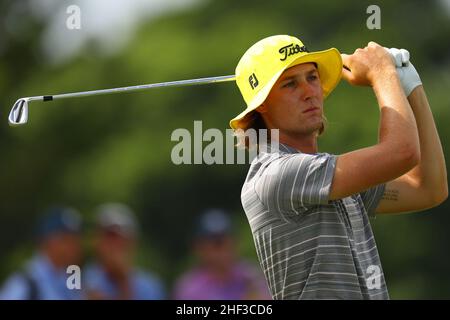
(290, 84)
(313, 77)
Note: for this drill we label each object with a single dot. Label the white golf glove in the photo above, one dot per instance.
(406, 72)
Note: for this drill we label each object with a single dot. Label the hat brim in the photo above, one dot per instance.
(329, 64)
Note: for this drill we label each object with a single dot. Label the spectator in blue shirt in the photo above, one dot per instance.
(113, 274)
(44, 276)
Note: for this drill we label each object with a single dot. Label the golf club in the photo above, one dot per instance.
(19, 112)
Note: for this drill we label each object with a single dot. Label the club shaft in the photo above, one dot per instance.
(179, 83)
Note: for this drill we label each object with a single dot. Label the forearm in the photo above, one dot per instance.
(430, 173)
(398, 129)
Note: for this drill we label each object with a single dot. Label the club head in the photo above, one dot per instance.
(19, 113)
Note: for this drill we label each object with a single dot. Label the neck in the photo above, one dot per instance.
(304, 143)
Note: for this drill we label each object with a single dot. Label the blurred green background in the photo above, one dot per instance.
(86, 151)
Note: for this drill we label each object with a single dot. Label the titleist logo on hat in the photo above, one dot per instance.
(290, 49)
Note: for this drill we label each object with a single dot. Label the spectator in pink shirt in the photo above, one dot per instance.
(219, 273)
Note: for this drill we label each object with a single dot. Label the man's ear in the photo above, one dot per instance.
(262, 108)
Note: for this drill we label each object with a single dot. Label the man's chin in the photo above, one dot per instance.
(313, 128)
(305, 132)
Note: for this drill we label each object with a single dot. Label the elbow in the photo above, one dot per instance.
(437, 196)
(441, 195)
(409, 157)
(441, 190)
(442, 198)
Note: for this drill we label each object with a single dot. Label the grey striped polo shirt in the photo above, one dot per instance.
(310, 247)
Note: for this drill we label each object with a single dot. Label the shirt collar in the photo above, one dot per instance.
(277, 148)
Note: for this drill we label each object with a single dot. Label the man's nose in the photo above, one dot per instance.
(307, 90)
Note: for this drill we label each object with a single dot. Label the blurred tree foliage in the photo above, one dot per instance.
(117, 148)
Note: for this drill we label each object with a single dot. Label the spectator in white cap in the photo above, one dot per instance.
(113, 275)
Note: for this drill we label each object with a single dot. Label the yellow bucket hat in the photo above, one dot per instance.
(264, 62)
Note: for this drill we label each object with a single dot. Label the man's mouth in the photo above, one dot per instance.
(310, 109)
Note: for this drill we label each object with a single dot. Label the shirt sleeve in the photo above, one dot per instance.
(15, 288)
(149, 287)
(294, 182)
(372, 197)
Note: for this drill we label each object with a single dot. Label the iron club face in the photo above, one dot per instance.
(19, 112)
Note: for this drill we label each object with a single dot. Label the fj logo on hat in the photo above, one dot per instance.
(253, 81)
(289, 50)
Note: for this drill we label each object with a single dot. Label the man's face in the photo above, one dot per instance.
(110, 241)
(216, 252)
(295, 103)
(64, 247)
(115, 250)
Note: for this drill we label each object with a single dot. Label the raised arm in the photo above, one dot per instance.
(397, 151)
(425, 186)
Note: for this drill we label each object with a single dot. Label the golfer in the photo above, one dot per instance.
(308, 210)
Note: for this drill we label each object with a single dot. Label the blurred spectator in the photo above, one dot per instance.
(44, 276)
(113, 274)
(219, 274)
